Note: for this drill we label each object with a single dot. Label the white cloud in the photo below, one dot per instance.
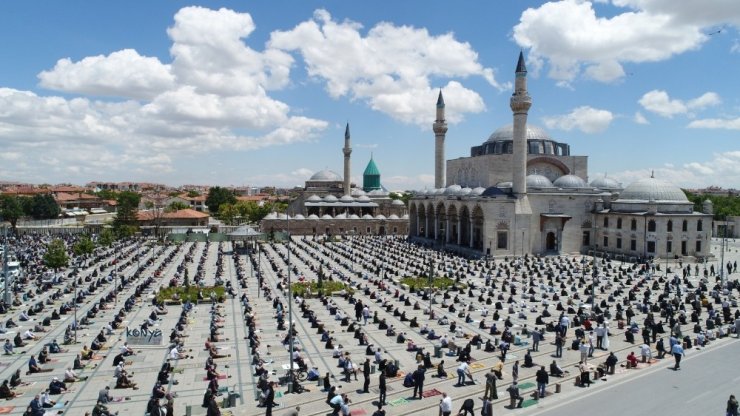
(722, 170)
(735, 48)
(586, 119)
(640, 119)
(569, 34)
(716, 123)
(213, 95)
(390, 67)
(658, 102)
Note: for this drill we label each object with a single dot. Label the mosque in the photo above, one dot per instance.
(523, 192)
(330, 204)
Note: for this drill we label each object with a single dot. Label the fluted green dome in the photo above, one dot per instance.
(371, 177)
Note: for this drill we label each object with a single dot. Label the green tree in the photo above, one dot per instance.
(176, 206)
(83, 247)
(56, 255)
(403, 196)
(228, 213)
(43, 206)
(107, 194)
(127, 214)
(11, 209)
(217, 196)
(193, 194)
(106, 237)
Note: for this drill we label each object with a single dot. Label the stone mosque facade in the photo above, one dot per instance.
(522, 192)
(330, 204)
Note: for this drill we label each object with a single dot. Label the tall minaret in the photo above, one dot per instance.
(520, 104)
(347, 152)
(440, 130)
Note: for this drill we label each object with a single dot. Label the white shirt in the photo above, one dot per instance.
(463, 367)
(174, 354)
(446, 404)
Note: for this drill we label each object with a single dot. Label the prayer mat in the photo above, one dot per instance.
(358, 412)
(178, 371)
(476, 366)
(530, 402)
(6, 409)
(526, 385)
(430, 393)
(58, 406)
(278, 394)
(400, 374)
(97, 357)
(396, 402)
(220, 377)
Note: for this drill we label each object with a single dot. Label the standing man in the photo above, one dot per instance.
(445, 405)
(270, 399)
(462, 371)
(536, 337)
(559, 340)
(514, 394)
(381, 387)
(419, 381)
(366, 375)
(677, 351)
(600, 337)
(515, 371)
(542, 379)
(490, 392)
(583, 348)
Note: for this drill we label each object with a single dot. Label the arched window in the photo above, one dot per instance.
(619, 223)
(606, 222)
(651, 225)
(699, 226)
(685, 226)
(669, 226)
(633, 225)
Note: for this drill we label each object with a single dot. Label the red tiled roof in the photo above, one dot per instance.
(183, 214)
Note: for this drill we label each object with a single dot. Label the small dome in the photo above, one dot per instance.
(465, 191)
(453, 190)
(393, 217)
(504, 185)
(314, 198)
(439, 191)
(605, 183)
(326, 217)
(313, 217)
(380, 217)
(357, 192)
(271, 216)
(570, 182)
(421, 192)
(342, 216)
(346, 198)
(397, 203)
(478, 191)
(494, 191)
(367, 217)
(330, 198)
(325, 176)
(405, 217)
(299, 217)
(538, 181)
(648, 189)
(354, 217)
(377, 192)
(363, 198)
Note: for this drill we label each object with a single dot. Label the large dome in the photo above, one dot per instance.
(507, 133)
(538, 181)
(569, 181)
(651, 189)
(326, 175)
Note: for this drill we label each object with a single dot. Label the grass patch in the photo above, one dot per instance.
(437, 282)
(190, 293)
(301, 288)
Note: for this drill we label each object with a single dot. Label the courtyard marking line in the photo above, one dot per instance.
(695, 398)
(627, 380)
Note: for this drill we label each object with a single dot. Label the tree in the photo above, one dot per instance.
(217, 196)
(10, 209)
(56, 255)
(127, 215)
(193, 194)
(43, 206)
(403, 196)
(176, 206)
(83, 247)
(228, 213)
(106, 237)
(107, 194)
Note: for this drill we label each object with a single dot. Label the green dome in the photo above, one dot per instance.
(371, 177)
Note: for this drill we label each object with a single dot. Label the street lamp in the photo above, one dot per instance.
(6, 294)
(77, 324)
(290, 315)
(430, 282)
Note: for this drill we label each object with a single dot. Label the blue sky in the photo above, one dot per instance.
(257, 93)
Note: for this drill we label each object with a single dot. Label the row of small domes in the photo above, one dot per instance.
(346, 199)
(533, 181)
(276, 216)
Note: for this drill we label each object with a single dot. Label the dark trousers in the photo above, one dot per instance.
(366, 385)
(599, 341)
(381, 399)
(418, 387)
(678, 360)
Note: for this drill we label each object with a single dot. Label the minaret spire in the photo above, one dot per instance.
(347, 151)
(440, 131)
(520, 104)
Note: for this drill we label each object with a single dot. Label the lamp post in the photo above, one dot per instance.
(290, 315)
(77, 324)
(593, 283)
(430, 281)
(722, 261)
(6, 293)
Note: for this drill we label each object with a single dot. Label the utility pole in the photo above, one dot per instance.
(722, 262)
(290, 318)
(6, 294)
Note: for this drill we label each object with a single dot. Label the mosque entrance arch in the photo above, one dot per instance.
(551, 242)
(381, 231)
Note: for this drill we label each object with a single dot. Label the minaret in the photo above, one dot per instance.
(520, 104)
(440, 130)
(347, 152)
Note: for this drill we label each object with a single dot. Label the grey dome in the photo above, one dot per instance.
(397, 202)
(393, 217)
(569, 181)
(346, 198)
(453, 190)
(363, 198)
(326, 217)
(507, 133)
(478, 191)
(325, 175)
(538, 181)
(313, 217)
(504, 184)
(605, 183)
(330, 198)
(314, 198)
(651, 189)
(357, 192)
(465, 191)
(299, 217)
